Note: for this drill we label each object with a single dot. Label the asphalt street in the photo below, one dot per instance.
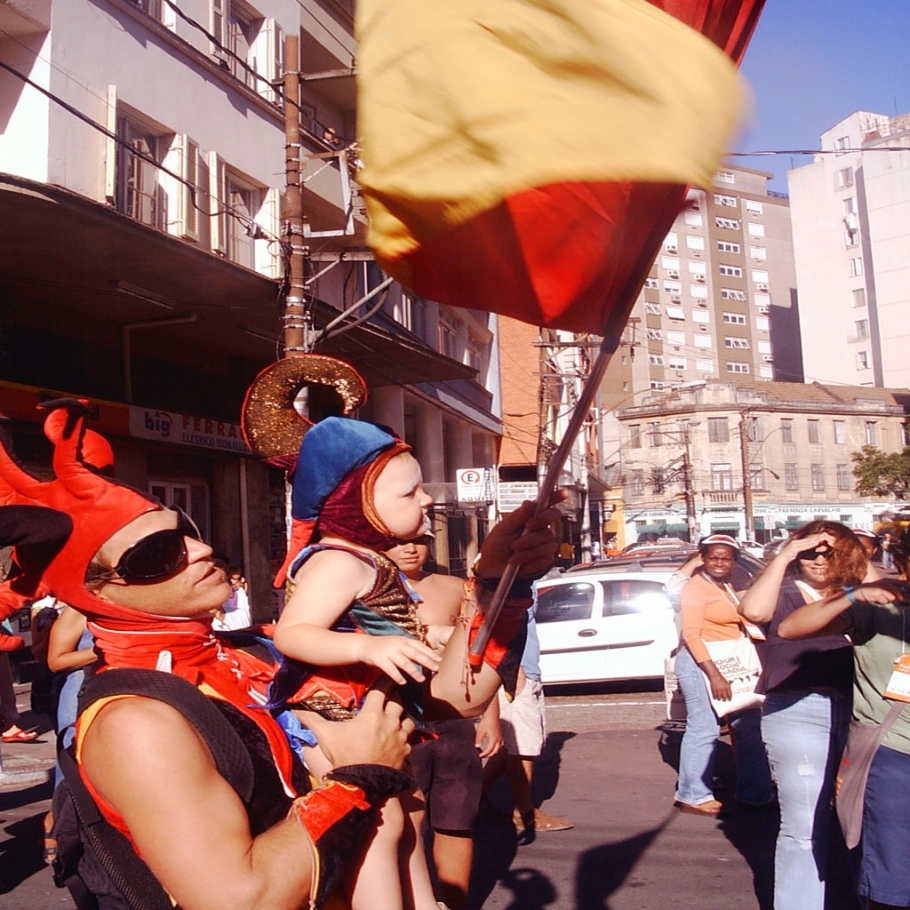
(609, 766)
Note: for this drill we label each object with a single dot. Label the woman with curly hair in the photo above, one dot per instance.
(874, 615)
(806, 714)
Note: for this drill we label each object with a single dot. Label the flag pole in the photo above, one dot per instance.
(560, 456)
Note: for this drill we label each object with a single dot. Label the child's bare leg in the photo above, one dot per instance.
(456, 692)
(418, 889)
(375, 884)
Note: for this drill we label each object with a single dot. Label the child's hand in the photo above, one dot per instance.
(396, 655)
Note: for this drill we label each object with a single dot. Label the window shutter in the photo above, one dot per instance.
(268, 260)
(111, 148)
(220, 12)
(217, 203)
(269, 56)
(188, 192)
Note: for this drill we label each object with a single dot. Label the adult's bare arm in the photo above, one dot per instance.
(188, 823)
(61, 647)
(824, 617)
(759, 602)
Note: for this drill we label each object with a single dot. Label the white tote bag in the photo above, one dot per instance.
(737, 661)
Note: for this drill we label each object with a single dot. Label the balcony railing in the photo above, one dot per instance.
(723, 497)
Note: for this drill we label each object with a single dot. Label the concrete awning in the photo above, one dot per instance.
(66, 260)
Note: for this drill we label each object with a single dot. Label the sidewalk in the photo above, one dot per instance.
(25, 881)
(37, 755)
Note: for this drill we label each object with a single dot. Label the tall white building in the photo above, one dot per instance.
(721, 284)
(719, 304)
(851, 237)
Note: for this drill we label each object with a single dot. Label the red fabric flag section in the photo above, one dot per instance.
(528, 158)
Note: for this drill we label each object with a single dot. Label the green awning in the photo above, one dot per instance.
(675, 529)
(759, 524)
(724, 526)
(793, 525)
(649, 529)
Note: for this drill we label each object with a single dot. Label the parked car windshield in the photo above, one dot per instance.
(566, 602)
(562, 603)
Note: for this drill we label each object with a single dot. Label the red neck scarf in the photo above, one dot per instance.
(187, 648)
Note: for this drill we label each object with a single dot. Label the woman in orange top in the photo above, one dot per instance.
(709, 613)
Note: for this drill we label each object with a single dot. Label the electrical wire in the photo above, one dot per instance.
(144, 156)
(844, 151)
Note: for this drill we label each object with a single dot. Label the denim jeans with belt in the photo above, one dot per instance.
(805, 733)
(697, 751)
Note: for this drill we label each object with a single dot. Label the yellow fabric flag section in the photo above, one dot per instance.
(464, 103)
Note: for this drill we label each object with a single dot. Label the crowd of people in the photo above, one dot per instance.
(831, 637)
(359, 719)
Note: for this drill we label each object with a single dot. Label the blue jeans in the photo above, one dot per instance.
(805, 733)
(68, 700)
(699, 742)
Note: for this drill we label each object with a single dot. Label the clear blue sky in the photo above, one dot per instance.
(813, 62)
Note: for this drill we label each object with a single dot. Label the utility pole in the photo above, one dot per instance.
(747, 479)
(689, 492)
(296, 320)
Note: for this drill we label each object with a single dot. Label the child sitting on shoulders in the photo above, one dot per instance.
(359, 489)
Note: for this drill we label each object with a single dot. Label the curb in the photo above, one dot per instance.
(36, 757)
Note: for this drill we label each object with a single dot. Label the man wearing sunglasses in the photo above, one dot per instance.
(149, 589)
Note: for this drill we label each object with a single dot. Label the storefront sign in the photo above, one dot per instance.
(512, 495)
(20, 402)
(184, 429)
(474, 485)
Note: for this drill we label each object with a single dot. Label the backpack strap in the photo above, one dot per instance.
(132, 878)
(228, 751)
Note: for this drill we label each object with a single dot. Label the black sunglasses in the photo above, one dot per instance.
(155, 557)
(812, 555)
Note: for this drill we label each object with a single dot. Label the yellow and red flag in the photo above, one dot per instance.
(527, 156)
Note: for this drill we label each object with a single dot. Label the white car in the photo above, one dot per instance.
(605, 623)
(753, 548)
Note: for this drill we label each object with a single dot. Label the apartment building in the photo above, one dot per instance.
(142, 166)
(754, 458)
(720, 300)
(851, 238)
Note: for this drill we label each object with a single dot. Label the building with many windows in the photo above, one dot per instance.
(720, 300)
(851, 238)
(753, 459)
(143, 155)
